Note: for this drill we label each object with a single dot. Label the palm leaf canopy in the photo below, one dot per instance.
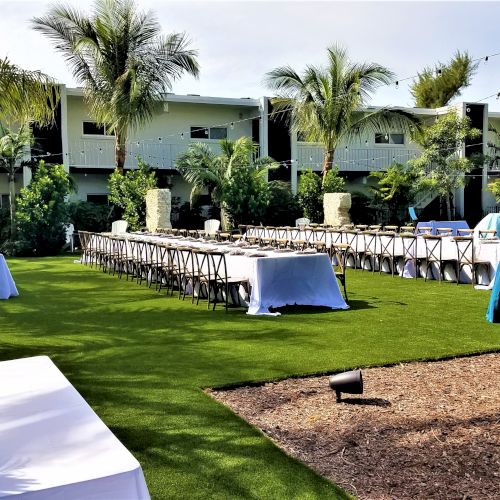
(325, 104)
(26, 95)
(120, 57)
(13, 145)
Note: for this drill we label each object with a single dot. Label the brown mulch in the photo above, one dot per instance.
(420, 430)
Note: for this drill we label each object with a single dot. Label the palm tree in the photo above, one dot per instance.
(204, 169)
(120, 57)
(325, 103)
(26, 95)
(12, 150)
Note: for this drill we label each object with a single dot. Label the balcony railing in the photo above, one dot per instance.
(99, 153)
(355, 159)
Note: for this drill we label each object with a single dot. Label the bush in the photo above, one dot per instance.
(245, 197)
(310, 196)
(88, 216)
(333, 182)
(42, 211)
(283, 208)
(128, 192)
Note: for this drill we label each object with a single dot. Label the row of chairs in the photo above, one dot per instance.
(187, 271)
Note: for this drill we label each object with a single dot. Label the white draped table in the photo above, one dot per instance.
(276, 280)
(52, 444)
(7, 285)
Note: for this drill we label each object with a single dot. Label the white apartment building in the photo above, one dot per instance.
(87, 150)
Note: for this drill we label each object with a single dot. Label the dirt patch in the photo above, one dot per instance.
(420, 430)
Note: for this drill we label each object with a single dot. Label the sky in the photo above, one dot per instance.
(239, 41)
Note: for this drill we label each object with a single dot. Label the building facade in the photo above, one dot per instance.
(87, 150)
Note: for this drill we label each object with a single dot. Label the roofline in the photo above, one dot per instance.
(195, 99)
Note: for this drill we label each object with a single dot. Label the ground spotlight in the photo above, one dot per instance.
(350, 382)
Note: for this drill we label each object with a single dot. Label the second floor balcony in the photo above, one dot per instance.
(355, 159)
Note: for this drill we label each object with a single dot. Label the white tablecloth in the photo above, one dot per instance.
(7, 285)
(277, 280)
(52, 444)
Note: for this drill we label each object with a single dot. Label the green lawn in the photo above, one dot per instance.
(141, 361)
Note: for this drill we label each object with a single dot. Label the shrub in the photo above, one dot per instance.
(88, 216)
(128, 192)
(310, 196)
(283, 208)
(42, 211)
(333, 182)
(245, 197)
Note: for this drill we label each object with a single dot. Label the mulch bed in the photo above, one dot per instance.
(420, 430)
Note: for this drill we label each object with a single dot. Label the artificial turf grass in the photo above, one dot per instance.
(140, 359)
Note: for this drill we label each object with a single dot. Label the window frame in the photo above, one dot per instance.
(389, 143)
(207, 137)
(101, 136)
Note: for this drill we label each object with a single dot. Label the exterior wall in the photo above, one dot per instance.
(4, 183)
(89, 184)
(169, 121)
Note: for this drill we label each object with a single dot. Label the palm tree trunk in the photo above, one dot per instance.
(120, 152)
(12, 202)
(328, 161)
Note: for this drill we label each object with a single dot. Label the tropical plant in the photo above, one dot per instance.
(12, 150)
(26, 95)
(326, 104)
(309, 195)
(333, 182)
(440, 168)
(283, 207)
(122, 61)
(494, 187)
(42, 210)
(204, 169)
(129, 193)
(396, 189)
(436, 87)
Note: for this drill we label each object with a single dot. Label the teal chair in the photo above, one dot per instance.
(413, 215)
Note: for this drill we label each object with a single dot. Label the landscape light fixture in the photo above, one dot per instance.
(349, 382)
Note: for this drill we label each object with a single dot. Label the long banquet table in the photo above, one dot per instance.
(7, 285)
(52, 444)
(484, 249)
(276, 280)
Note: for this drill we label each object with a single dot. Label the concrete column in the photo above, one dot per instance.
(64, 127)
(294, 164)
(264, 127)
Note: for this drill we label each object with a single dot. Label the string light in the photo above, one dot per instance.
(232, 125)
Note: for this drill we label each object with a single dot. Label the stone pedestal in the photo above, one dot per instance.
(158, 206)
(336, 207)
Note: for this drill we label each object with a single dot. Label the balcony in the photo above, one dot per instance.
(99, 153)
(355, 159)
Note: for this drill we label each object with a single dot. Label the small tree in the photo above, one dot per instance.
(42, 210)
(494, 187)
(397, 187)
(440, 168)
(12, 149)
(309, 195)
(129, 193)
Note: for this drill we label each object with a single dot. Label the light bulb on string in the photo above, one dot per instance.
(206, 131)
(160, 140)
(366, 142)
(468, 110)
(138, 143)
(310, 158)
(386, 137)
(182, 136)
(232, 125)
(486, 59)
(397, 84)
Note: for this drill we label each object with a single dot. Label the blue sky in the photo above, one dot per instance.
(238, 42)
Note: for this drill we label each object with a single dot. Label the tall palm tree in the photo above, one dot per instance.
(204, 169)
(120, 57)
(26, 95)
(13, 147)
(326, 104)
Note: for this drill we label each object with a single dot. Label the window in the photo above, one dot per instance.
(215, 133)
(99, 199)
(92, 128)
(4, 200)
(389, 138)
